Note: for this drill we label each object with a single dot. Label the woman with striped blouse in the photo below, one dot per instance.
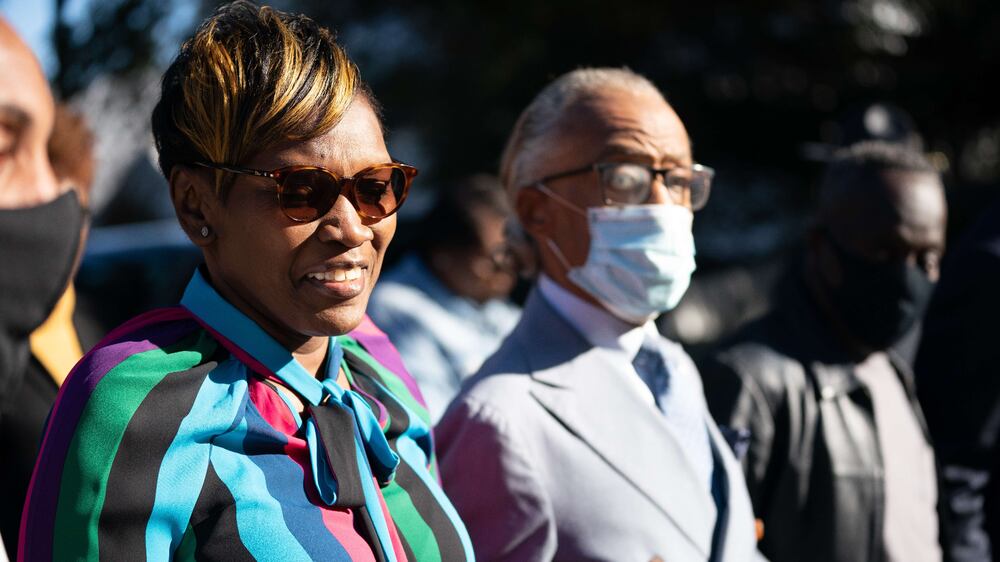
(264, 417)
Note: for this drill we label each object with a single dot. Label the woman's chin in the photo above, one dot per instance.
(335, 321)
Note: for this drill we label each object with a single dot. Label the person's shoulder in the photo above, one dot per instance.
(136, 360)
(501, 385)
(496, 389)
(143, 377)
(757, 357)
(493, 407)
(164, 338)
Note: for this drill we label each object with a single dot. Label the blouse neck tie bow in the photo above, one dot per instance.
(346, 444)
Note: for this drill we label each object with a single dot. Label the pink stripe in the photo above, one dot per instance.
(397, 545)
(271, 407)
(339, 522)
(378, 345)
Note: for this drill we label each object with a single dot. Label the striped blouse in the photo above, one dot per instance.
(170, 440)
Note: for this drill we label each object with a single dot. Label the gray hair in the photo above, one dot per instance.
(539, 126)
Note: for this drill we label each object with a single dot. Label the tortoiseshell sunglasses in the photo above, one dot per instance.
(306, 193)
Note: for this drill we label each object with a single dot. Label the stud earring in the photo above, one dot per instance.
(204, 232)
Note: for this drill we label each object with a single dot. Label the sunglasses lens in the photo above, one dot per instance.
(308, 194)
(381, 191)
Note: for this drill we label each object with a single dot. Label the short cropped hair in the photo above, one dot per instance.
(249, 79)
(858, 164)
(539, 122)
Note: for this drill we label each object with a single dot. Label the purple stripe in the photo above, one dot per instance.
(378, 346)
(43, 493)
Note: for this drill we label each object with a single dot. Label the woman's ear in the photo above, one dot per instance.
(193, 199)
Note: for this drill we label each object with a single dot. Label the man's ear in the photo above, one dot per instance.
(193, 199)
(531, 208)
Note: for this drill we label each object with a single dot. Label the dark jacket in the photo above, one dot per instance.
(22, 422)
(813, 466)
(959, 381)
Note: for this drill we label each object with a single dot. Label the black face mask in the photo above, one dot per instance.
(38, 249)
(879, 301)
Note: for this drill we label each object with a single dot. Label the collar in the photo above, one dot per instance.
(226, 321)
(55, 343)
(599, 327)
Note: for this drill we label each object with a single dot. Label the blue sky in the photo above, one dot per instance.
(33, 19)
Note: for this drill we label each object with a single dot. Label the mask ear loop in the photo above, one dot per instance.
(558, 253)
(566, 203)
(560, 199)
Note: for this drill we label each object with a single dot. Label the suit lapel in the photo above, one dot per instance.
(581, 388)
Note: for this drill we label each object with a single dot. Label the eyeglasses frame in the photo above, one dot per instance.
(347, 184)
(599, 167)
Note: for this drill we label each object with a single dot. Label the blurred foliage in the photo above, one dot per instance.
(753, 81)
(114, 36)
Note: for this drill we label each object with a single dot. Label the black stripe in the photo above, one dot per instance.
(448, 540)
(131, 487)
(214, 522)
(365, 527)
(427, 506)
(398, 420)
(335, 427)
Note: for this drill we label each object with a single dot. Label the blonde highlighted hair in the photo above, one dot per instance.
(249, 79)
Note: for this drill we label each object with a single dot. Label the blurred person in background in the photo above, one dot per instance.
(838, 460)
(445, 306)
(56, 345)
(265, 417)
(959, 389)
(41, 223)
(586, 435)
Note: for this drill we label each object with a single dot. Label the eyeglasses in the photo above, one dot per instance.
(306, 193)
(630, 183)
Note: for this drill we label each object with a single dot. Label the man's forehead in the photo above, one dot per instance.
(894, 202)
(620, 122)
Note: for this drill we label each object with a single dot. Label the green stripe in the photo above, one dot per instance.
(99, 433)
(390, 379)
(410, 524)
(188, 547)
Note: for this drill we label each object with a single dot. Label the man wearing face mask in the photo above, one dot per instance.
(586, 435)
(839, 464)
(41, 220)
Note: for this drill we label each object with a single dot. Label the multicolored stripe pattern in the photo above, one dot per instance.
(170, 440)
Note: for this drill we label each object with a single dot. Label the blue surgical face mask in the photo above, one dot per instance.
(641, 258)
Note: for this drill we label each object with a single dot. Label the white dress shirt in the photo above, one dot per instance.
(622, 341)
(604, 330)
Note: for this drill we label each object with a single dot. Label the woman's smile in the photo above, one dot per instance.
(341, 281)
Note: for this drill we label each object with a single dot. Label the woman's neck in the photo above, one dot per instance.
(312, 354)
(309, 351)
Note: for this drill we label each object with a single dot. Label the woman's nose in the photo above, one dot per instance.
(343, 224)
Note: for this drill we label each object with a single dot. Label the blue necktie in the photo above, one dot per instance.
(678, 398)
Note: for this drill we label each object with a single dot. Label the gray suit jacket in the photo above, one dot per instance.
(547, 455)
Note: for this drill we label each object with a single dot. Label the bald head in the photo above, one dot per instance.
(26, 116)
